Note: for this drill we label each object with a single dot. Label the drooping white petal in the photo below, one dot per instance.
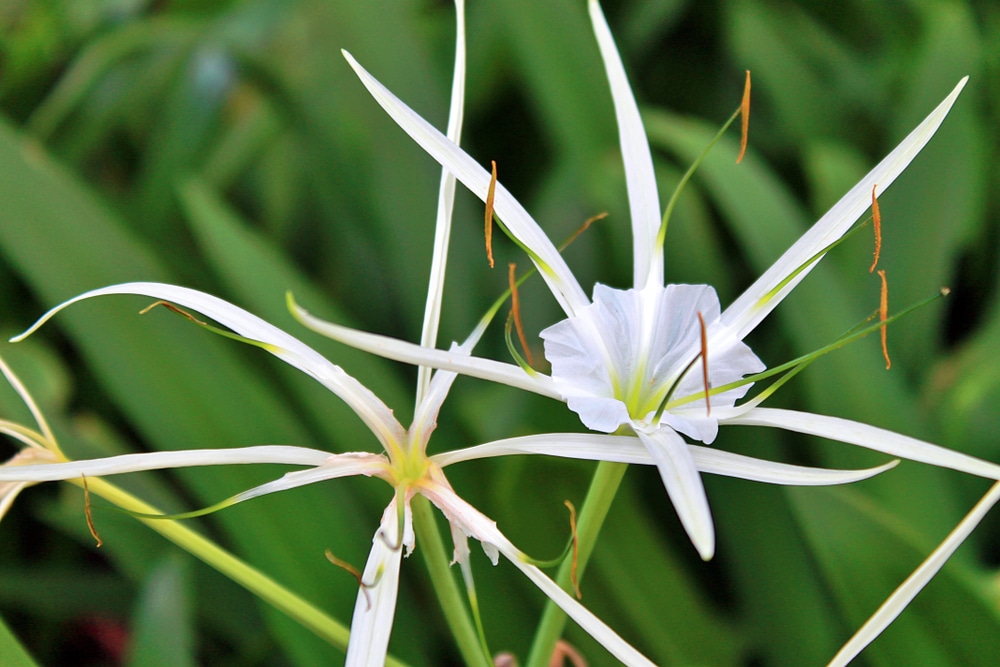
(185, 458)
(902, 596)
(375, 607)
(457, 361)
(683, 482)
(446, 204)
(871, 437)
(753, 305)
(643, 198)
(550, 264)
(282, 345)
(474, 523)
(628, 449)
(334, 467)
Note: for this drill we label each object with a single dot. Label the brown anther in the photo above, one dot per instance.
(86, 512)
(586, 224)
(172, 307)
(704, 362)
(576, 550)
(489, 212)
(515, 309)
(565, 651)
(353, 571)
(883, 314)
(877, 223)
(744, 119)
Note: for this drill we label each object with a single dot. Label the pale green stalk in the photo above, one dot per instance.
(603, 488)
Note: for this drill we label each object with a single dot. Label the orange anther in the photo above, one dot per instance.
(515, 309)
(704, 362)
(86, 512)
(877, 223)
(489, 213)
(883, 313)
(744, 119)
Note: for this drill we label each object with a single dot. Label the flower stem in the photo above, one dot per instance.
(242, 573)
(603, 488)
(448, 594)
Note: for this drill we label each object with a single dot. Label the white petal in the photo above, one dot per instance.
(680, 476)
(643, 199)
(375, 607)
(335, 467)
(628, 449)
(282, 345)
(863, 435)
(458, 360)
(753, 305)
(446, 204)
(477, 525)
(185, 458)
(552, 267)
(901, 597)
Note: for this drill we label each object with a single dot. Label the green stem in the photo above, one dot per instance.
(602, 491)
(239, 571)
(448, 594)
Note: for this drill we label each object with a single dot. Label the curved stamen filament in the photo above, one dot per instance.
(576, 550)
(515, 309)
(354, 572)
(86, 512)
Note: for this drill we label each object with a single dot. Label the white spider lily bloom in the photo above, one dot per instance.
(632, 360)
(403, 463)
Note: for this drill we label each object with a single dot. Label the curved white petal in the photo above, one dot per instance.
(683, 482)
(643, 198)
(863, 435)
(282, 345)
(552, 267)
(185, 458)
(446, 204)
(901, 597)
(375, 607)
(753, 305)
(335, 467)
(456, 360)
(628, 449)
(476, 524)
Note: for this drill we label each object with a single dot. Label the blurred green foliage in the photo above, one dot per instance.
(226, 146)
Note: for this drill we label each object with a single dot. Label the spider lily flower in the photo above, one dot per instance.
(642, 361)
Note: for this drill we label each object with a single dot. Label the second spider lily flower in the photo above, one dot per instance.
(655, 360)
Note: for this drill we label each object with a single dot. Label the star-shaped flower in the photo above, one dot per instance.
(653, 361)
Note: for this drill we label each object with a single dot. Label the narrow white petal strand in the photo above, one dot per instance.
(901, 597)
(375, 607)
(335, 466)
(454, 360)
(683, 482)
(185, 458)
(753, 305)
(8, 494)
(628, 449)
(282, 345)
(643, 199)
(552, 267)
(863, 435)
(476, 524)
(446, 204)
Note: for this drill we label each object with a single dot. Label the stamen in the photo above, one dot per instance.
(587, 223)
(877, 223)
(704, 362)
(744, 119)
(883, 313)
(353, 571)
(172, 307)
(489, 213)
(86, 512)
(515, 309)
(576, 550)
